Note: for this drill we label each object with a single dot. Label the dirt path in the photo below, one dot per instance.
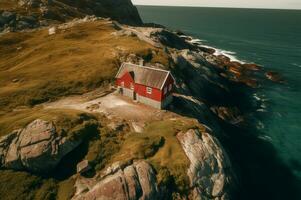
(112, 105)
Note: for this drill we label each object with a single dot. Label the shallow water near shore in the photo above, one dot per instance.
(271, 38)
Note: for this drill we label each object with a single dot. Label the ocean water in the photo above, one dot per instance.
(271, 38)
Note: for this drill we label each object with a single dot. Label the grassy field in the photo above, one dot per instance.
(36, 67)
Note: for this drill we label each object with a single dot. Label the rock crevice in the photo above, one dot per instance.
(210, 168)
(135, 181)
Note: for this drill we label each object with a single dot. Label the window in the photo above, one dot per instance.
(148, 90)
(122, 84)
(170, 87)
(165, 90)
(132, 86)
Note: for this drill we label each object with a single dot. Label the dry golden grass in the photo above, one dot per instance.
(22, 185)
(8, 4)
(66, 189)
(64, 119)
(36, 67)
(160, 146)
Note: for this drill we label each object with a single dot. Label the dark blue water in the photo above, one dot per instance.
(271, 38)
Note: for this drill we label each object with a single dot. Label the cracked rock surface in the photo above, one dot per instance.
(209, 172)
(135, 181)
(37, 147)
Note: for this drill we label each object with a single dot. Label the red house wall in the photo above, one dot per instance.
(127, 79)
(167, 83)
(157, 94)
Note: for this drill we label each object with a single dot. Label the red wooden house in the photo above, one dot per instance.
(147, 85)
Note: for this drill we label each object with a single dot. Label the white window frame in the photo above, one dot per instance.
(170, 87)
(149, 90)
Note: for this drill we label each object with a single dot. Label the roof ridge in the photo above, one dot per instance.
(152, 68)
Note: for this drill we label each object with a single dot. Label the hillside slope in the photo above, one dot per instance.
(34, 65)
(83, 55)
(24, 14)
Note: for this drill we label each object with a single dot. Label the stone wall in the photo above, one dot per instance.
(127, 92)
(148, 101)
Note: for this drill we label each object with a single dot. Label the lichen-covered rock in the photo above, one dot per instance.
(37, 148)
(136, 181)
(209, 172)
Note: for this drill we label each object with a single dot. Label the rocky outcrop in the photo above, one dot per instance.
(37, 148)
(121, 10)
(228, 114)
(274, 76)
(210, 168)
(27, 14)
(135, 181)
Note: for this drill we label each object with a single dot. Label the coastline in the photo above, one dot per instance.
(220, 93)
(250, 139)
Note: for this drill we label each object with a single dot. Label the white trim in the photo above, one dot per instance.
(147, 67)
(169, 73)
(152, 68)
(164, 81)
(119, 69)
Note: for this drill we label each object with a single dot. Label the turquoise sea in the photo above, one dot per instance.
(270, 165)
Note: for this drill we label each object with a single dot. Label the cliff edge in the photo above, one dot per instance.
(25, 14)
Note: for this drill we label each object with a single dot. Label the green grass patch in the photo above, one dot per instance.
(159, 145)
(22, 185)
(66, 189)
(108, 144)
(68, 122)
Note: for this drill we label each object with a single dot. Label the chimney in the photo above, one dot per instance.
(141, 62)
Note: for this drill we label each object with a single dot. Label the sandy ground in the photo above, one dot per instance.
(112, 105)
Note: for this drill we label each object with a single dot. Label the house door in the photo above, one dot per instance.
(135, 96)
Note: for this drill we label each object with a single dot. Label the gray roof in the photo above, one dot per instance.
(147, 76)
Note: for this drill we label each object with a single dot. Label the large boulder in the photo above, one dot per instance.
(121, 10)
(135, 181)
(36, 148)
(210, 171)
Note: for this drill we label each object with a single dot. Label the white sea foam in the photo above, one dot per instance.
(263, 105)
(260, 125)
(229, 54)
(266, 138)
(261, 110)
(199, 42)
(296, 64)
(256, 97)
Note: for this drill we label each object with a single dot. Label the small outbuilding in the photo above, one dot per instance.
(148, 85)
